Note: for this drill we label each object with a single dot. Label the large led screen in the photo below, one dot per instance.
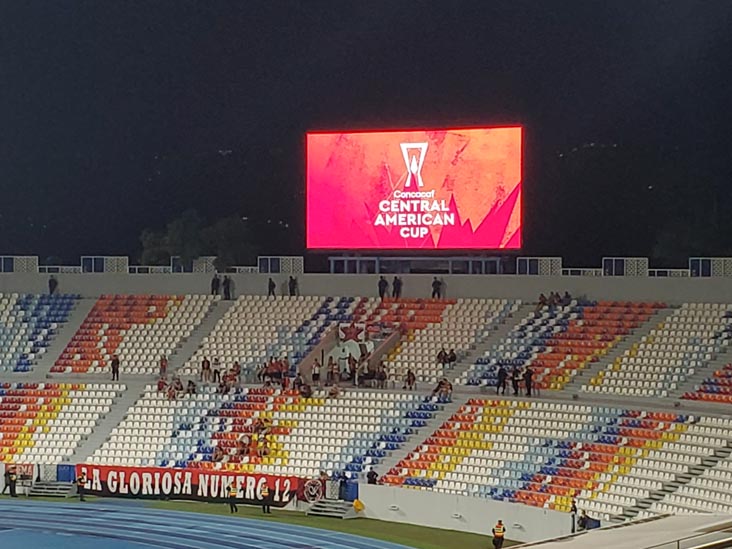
(423, 190)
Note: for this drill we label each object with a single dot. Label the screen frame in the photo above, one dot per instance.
(417, 251)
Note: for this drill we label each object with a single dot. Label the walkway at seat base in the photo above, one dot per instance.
(42, 525)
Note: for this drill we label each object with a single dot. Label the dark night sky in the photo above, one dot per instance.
(112, 113)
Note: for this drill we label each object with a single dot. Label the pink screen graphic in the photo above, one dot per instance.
(437, 189)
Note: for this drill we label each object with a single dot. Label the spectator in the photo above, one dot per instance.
(162, 385)
(52, 285)
(573, 513)
(396, 288)
(436, 288)
(528, 374)
(335, 390)
(440, 388)
(271, 287)
(381, 376)
(115, 367)
(371, 476)
(334, 372)
(306, 370)
(451, 358)
(566, 299)
(299, 382)
(236, 370)
(383, 287)
(218, 454)
(352, 367)
(227, 287)
(553, 301)
(306, 391)
(410, 382)
(163, 366)
(292, 286)
(582, 521)
(170, 392)
(499, 533)
(442, 357)
(315, 373)
(215, 284)
(515, 378)
(502, 377)
(216, 369)
(177, 386)
(262, 372)
(191, 388)
(446, 391)
(543, 302)
(205, 374)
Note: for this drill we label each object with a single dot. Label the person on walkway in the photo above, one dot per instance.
(383, 287)
(528, 374)
(232, 498)
(396, 288)
(115, 367)
(163, 366)
(81, 486)
(515, 378)
(292, 286)
(271, 287)
(227, 288)
(52, 285)
(499, 533)
(502, 377)
(266, 501)
(436, 288)
(205, 370)
(215, 284)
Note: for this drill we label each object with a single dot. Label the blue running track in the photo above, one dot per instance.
(41, 525)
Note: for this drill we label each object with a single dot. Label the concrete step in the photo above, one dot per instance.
(415, 440)
(693, 382)
(41, 370)
(583, 377)
(120, 407)
(497, 335)
(186, 351)
(50, 489)
(332, 508)
(679, 480)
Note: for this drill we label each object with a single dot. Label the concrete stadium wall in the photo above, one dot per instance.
(671, 290)
(463, 513)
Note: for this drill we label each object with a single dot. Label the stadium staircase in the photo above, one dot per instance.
(701, 374)
(135, 389)
(66, 331)
(414, 441)
(332, 508)
(52, 489)
(672, 486)
(191, 345)
(479, 349)
(583, 377)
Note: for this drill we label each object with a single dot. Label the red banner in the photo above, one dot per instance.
(188, 484)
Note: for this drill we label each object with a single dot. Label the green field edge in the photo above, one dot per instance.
(410, 535)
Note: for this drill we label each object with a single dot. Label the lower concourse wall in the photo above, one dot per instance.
(670, 290)
(463, 513)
